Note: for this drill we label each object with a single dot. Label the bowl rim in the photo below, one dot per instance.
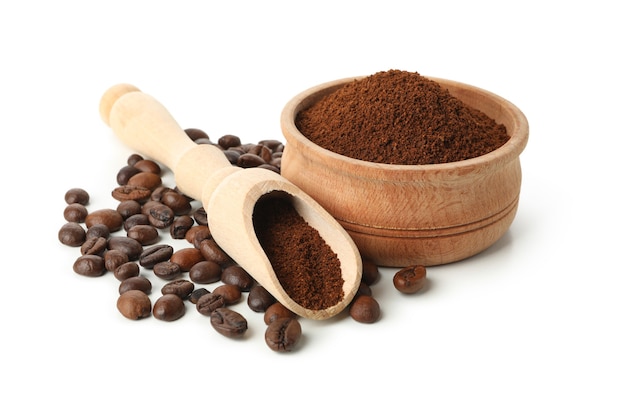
(502, 155)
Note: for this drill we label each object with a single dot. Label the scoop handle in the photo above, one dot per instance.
(145, 125)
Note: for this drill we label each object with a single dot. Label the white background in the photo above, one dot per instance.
(533, 326)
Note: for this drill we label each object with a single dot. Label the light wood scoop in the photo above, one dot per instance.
(228, 193)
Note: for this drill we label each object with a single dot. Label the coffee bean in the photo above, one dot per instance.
(270, 167)
(364, 309)
(209, 303)
(133, 159)
(148, 165)
(94, 246)
(160, 215)
(187, 258)
(109, 217)
(113, 259)
(77, 195)
(125, 173)
(89, 265)
(142, 284)
(168, 307)
(205, 272)
(136, 219)
(155, 254)
(72, 234)
(277, 311)
(236, 275)
(363, 289)
(260, 299)
(181, 287)
(196, 234)
(131, 192)
(228, 322)
(195, 134)
(229, 141)
(410, 280)
(144, 233)
(231, 293)
(159, 192)
(248, 160)
(126, 270)
(263, 151)
(98, 230)
(143, 179)
(177, 202)
(75, 212)
(282, 335)
(200, 216)
(128, 208)
(197, 294)
(131, 247)
(232, 156)
(134, 304)
(370, 274)
(180, 226)
(166, 270)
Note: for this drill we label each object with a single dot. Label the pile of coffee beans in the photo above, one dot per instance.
(125, 241)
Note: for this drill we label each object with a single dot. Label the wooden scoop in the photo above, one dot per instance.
(228, 193)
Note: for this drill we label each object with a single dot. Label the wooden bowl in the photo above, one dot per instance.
(400, 215)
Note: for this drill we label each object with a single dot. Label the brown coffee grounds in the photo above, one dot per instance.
(399, 117)
(307, 268)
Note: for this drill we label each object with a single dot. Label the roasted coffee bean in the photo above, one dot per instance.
(139, 283)
(197, 294)
(77, 195)
(89, 265)
(180, 287)
(94, 246)
(232, 155)
(128, 208)
(260, 299)
(75, 212)
(166, 270)
(148, 165)
(72, 234)
(109, 217)
(134, 304)
(131, 247)
(212, 252)
(187, 258)
(133, 159)
(236, 275)
(249, 160)
(283, 335)
(273, 144)
(113, 259)
(154, 254)
(195, 133)
(231, 293)
(200, 216)
(177, 202)
(144, 233)
(160, 215)
(228, 322)
(205, 272)
(143, 179)
(263, 151)
(364, 309)
(209, 303)
(363, 289)
(270, 167)
(410, 280)
(126, 270)
(125, 173)
(180, 226)
(136, 219)
(131, 192)
(277, 311)
(159, 192)
(98, 230)
(370, 274)
(168, 307)
(229, 141)
(202, 231)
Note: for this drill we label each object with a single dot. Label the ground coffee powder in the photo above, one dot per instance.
(307, 268)
(399, 117)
